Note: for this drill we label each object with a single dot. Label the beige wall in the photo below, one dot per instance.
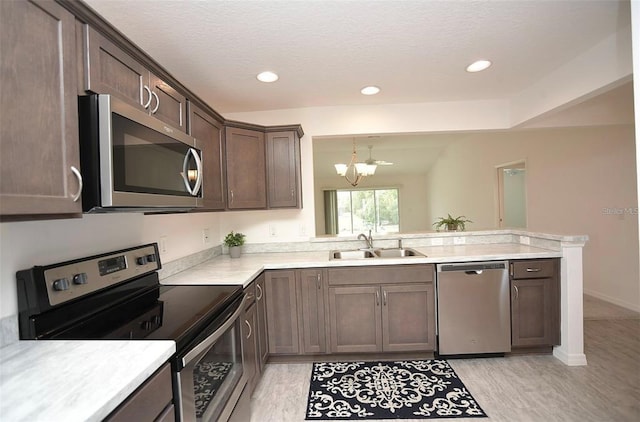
(577, 180)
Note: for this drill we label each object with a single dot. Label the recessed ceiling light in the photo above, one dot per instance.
(370, 90)
(267, 77)
(478, 66)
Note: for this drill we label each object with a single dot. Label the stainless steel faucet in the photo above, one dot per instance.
(367, 239)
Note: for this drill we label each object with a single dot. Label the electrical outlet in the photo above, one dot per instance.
(206, 236)
(272, 230)
(525, 240)
(459, 240)
(163, 244)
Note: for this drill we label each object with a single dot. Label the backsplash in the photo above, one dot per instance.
(8, 330)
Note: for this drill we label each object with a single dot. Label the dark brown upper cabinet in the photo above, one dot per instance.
(246, 168)
(208, 133)
(39, 149)
(283, 170)
(110, 70)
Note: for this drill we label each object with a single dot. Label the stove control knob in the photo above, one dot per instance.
(61, 284)
(141, 260)
(157, 320)
(146, 325)
(80, 278)
(151, 257)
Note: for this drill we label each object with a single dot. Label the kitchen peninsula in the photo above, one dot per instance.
(445, 247)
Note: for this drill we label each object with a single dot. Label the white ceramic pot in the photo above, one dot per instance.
(234, 251)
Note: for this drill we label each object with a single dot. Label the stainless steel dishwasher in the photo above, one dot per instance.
(474, 308)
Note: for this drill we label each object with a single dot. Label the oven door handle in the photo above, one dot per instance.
(209, 341)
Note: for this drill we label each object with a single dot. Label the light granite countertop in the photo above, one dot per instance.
(74, 380)
(223, 270)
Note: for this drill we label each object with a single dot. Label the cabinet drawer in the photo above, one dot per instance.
(148, 401)
(380, 274)
(538, 268)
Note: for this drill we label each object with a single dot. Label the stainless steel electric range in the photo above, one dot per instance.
(117, 295)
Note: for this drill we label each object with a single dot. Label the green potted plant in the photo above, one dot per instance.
(451, 224)
(234, 242)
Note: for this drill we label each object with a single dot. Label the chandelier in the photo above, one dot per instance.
(355, 171)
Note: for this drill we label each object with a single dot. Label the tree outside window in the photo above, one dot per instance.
(363, 210)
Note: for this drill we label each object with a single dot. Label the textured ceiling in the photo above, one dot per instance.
(325, 51)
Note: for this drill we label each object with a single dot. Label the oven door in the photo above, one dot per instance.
(210, 375)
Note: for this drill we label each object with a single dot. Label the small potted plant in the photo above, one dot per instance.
(451, 224)
(234, 241)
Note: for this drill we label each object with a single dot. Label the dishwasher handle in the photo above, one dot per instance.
(472, 268)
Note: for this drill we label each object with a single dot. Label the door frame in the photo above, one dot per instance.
(499, 190)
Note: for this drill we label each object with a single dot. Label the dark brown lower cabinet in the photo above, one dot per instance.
(261, 313)
(535, 303)
(312, 310)
(282, 312)
(153, 400)
(388, 318)
(408, 321)
(250, 362)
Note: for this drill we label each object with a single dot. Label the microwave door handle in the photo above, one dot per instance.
(198, 161)
(185, 172)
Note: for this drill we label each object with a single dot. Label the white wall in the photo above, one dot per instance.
(577, 181)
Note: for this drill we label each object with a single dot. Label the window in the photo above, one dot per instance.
(361, 210)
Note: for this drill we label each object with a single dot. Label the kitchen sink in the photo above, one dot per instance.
(397, 253)
(353, 254)
(375, 253)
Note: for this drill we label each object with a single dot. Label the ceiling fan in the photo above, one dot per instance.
(376, 162)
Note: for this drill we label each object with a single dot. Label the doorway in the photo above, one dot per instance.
(512, 195)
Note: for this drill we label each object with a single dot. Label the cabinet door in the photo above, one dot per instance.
(283, 169)
(249, 346)
(246, 176)
(312, 311)
(39, 147)
(261, 301)
(408, 317)
(282, 313)
(532, 312)
(168, 104)
(109, 70)
(355, 315)
(207, 131)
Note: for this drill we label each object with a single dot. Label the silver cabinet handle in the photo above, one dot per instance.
(377, 298)
(248, 325)
(517, 293)
(185, 172)
(148, 103)
(533, 270)
(384, 297)
(153, 111)
(259, 297)
(231, 196)
(318, 281)
(292, 192)
(76, 172)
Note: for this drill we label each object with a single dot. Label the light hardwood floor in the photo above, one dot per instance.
(518, 388)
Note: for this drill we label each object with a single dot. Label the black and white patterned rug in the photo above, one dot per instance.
(416, 389)
(207, 379)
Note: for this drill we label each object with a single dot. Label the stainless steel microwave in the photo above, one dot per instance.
(131, 161)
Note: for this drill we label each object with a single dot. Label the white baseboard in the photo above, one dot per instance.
(575, 359)
(631, 306)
